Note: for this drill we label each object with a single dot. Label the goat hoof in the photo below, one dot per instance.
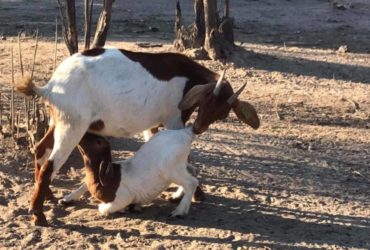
(199, 195)
(65, 202)
(39, 220)
(135, 208)
(49, 195)
(177, 216)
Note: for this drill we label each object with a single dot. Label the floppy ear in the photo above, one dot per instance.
(106, 172)
(246, 113)
(194, 95)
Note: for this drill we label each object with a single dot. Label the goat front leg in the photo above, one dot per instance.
(198, 194)
(122, 200)
(75, 195)
(42, 153)
(189, 184)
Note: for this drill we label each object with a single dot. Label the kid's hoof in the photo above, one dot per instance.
(199, 195)
(65, 202)
(39, 220)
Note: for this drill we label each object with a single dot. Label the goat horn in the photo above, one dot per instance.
(236, 94)
(217, 88)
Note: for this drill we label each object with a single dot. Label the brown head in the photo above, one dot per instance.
(214, 101)
(96, 152)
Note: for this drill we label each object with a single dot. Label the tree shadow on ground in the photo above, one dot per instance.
(281, 227)
(299, 66)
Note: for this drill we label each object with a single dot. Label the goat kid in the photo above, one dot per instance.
(141, 178)
(112, 92)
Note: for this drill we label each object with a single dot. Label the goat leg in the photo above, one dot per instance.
(38, 197)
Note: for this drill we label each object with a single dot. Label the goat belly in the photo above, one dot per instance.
(149, 192)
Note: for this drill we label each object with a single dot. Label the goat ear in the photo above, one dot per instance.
(194, 95)
(105, 172)
(246, 113)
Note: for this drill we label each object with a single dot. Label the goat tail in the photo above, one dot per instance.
(26, 86)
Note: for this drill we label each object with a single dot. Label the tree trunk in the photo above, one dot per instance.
(209, 31)
(193, 35)
(199, 23)
(226, 8)
(211, 42)
(68, 13)
(103, 24)
(88, 14)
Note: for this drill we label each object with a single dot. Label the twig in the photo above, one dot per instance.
(18, 122)
(12, 97)
(34, 54)
(1, 113)
(20, 52)
(26, 114)
(56, 43)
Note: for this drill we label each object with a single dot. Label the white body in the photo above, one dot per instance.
(158, 163)
(112, 88)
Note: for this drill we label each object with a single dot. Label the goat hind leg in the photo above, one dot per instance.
(66, 138)
(42, 153)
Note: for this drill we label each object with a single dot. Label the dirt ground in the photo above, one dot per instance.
(301, 181)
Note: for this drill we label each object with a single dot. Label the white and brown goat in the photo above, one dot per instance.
(158, 163)
(112, 92)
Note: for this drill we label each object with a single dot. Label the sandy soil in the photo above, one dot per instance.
(301, 181)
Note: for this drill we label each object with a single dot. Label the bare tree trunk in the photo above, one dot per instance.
(88, 13)
(68, 13)
(103, 24)
(211, 43)
(193, 35)
(199, 23)
(227, 25)
(226, 8)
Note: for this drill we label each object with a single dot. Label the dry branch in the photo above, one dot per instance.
(56, 44)
(34, 54)
(20, 52)
(12, 97)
